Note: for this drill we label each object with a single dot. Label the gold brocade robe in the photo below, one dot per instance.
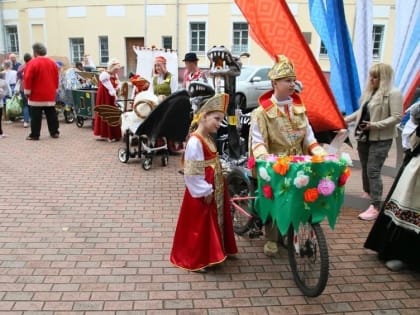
(282, 135)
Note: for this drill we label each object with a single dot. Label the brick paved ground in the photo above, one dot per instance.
(82, 233)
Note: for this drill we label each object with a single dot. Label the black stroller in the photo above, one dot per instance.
(170, 120)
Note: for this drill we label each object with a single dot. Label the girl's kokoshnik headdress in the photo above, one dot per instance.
(217, 103)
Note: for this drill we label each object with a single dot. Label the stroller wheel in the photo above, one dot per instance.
(80, 121)
(147, 164)
(69, 116)
(123, 155)
(165, 160)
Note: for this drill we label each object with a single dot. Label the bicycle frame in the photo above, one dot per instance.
(239, 208)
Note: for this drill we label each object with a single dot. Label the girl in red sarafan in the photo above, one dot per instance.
(204, 233)
(107, 95)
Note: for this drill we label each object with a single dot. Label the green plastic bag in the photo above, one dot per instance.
(14, 107)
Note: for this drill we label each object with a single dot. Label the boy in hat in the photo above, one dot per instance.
(280, 126)
(192, 71)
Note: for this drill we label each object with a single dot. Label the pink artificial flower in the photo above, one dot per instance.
(326, 187)
(301, 180)
(271, 158)
(298, 158)
(331, 157)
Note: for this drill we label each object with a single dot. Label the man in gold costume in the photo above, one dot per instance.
(280, 126)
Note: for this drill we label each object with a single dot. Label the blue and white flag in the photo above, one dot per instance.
(329, 20)
(406, 59)
(363, 42)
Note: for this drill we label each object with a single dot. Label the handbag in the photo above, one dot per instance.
(14, 107)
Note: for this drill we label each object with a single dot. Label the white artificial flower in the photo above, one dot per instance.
(264, 174)
(346, 158)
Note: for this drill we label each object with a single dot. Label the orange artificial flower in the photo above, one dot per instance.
(317, 159)
(310, 195)
(280, 167)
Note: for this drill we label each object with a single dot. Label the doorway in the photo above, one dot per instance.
(131, 55)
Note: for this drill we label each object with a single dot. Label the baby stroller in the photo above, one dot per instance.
(170, 120)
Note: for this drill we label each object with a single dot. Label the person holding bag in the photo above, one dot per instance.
(376, 119)
(14, 107)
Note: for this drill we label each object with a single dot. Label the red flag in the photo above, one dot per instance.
(274, 28)
(408, 99)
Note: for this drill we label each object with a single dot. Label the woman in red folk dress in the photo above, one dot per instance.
(106, 95)
(204, 233)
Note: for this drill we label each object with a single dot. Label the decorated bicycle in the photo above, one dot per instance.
(285, 188)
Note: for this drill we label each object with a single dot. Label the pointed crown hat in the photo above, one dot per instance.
(283, 68)
(217, 103)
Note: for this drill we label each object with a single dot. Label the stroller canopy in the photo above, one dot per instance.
(170, 119)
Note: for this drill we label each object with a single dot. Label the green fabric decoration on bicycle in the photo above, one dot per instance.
(295, 189)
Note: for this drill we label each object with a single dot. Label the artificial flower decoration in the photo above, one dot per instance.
(264, 174)
(281, 166)
(330, 157)
(310, 194)
(271, 158)
(298, 158)
(301, 180)
(343, 178)
(317, 159)
(251, 162)
(326, 187)
(268, 191)
(346, 158)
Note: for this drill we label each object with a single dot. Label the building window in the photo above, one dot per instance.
(103, 50)
(198, 37)
(240, 37)
(77, 49)
(167, 42)
(12, 41)
(323, 50)
(377, 39)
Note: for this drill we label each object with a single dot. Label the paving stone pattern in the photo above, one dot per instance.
(82, 233)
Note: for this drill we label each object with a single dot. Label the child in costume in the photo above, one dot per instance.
(204, 233)
(280, 126)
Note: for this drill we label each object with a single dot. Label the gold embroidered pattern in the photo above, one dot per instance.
(194, 167)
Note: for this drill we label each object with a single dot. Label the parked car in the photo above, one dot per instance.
(250, 84)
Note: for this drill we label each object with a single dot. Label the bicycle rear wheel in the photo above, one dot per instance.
(308, 258)
(239, 185)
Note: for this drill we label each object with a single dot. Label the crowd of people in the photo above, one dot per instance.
(23, 80)
(70, 78)
(279, 125)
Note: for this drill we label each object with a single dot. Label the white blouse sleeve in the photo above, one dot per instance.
(196, 184)
(105, 78)
(309, 137)
(256, 135)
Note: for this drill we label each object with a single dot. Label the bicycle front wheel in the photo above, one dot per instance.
(308, 258)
